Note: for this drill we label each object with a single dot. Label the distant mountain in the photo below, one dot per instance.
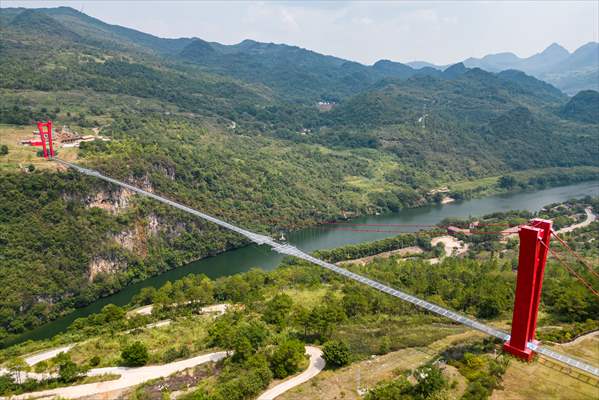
(494, 62)
(568, 72)
(424, 64)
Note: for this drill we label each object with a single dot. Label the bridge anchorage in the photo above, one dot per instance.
(534, 244)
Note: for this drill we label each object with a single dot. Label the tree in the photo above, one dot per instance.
(323, 317)
(286, 358)
(301, 316)
(489, 307)
(112, 313)
(135, 354)
(3, 150)
(507, 182)
(243, 348)
(355, 302)
(221, 331)
(277, 309)
(68, 371)
(336, 353)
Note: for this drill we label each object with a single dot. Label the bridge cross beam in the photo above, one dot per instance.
(534, 244)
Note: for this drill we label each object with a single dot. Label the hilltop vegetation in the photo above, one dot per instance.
(236, 131)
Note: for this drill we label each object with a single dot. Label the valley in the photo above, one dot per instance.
(396, 172)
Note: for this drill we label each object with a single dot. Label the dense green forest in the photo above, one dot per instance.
(236, 131)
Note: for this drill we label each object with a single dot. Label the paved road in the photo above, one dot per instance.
(317, 364)
(129, 377)
(48, 354)
(590, 218)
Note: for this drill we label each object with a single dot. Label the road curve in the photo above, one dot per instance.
(316, 365)
(590, 218)
(129, 377)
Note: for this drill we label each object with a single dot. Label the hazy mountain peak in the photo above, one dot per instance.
(555, 48)
(455, 70)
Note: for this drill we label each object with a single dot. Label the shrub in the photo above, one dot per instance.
(94, 361)
(336, 353)
(68, 371)
(135, 355)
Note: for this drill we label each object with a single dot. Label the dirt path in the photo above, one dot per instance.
(317, 364)
(129, 377)
(590, 219)
(579, 339)
(406, 251)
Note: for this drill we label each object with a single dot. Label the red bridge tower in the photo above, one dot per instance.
(45, 129)
(534, 245)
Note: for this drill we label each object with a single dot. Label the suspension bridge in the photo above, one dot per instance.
(520, 343)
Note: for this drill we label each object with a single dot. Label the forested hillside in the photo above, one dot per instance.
(236, 131)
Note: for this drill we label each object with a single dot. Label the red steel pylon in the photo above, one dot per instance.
(529, 282)
(46, 137)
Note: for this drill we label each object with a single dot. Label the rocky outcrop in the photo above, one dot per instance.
(134, 240)
(116, 200)
(101, 265)
(112, 201)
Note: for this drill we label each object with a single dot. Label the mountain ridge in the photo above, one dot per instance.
(570, 72)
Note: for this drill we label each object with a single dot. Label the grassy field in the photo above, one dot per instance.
(544, 380)
(307, 298)
(190, 332)
(489, 185)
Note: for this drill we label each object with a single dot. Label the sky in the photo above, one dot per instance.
(441, 32)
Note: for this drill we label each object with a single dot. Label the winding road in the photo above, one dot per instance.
(129, 377)
(317, 364)
(134, 376)
(590, 219)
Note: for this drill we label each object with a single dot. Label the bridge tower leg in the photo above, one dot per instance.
(529, 282)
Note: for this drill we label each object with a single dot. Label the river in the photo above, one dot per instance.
(325, 237)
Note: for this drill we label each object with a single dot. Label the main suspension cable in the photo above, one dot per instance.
(578, 257)
(571, 270)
